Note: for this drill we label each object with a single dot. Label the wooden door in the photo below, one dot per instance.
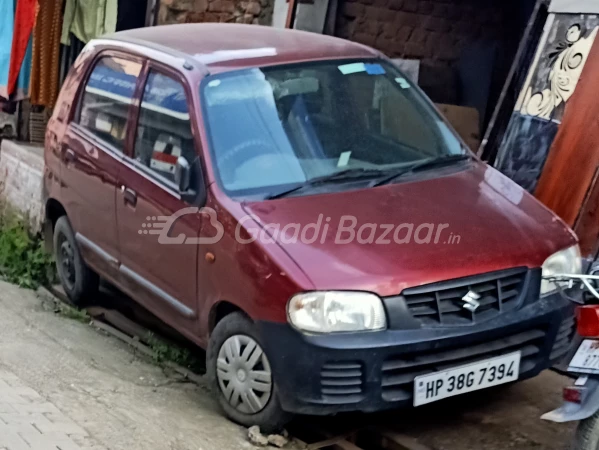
(568, 183)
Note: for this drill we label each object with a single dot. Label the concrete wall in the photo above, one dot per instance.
(235, 11)
(21, 180)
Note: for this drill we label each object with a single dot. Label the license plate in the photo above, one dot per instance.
(468, 378)
(586, 359)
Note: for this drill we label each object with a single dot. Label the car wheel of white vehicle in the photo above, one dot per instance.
(78, 281)
(587, 434)
(241, 375)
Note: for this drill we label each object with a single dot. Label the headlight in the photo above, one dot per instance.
(566, 261)
(332, 312)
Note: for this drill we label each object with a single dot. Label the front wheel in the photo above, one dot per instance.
(587, 434)
(241, 375)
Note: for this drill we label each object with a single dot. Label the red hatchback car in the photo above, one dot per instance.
(293, 204)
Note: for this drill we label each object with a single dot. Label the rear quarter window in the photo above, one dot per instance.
(106, 99)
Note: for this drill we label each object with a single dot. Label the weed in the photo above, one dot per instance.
(73, 313)
(167, 352)
(23, 259)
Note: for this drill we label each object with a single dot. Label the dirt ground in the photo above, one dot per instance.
(497, 419)
(125, 402)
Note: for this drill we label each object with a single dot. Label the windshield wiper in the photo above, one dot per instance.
(343, 175)
(439, 162)
(427, 164)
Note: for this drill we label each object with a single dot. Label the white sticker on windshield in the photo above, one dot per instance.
(402, 82)
(346, 69)
(344, 159)
(214, 83)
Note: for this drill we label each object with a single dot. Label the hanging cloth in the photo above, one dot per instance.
(21, 41)
(24, 79)
(7, 19)
(88, 19)
(45, 65)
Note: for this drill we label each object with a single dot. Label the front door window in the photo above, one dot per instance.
(164, 127)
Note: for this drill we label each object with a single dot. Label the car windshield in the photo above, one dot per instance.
(281, 127)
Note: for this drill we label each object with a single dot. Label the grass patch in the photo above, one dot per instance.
(163, 352)
(68, 312)
(23, 258)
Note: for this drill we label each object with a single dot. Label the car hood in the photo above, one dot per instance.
(490, 224)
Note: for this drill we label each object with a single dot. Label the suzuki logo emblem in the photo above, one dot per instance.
(471, 301)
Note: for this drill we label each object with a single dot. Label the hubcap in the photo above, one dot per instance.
(244, 374)
(66, 262)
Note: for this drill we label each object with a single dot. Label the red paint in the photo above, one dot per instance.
(235, 46)
(588, 321)
(573, 394)
(500, 225)
(485, 220)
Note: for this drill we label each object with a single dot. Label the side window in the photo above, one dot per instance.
(107, 97)
(164, 128)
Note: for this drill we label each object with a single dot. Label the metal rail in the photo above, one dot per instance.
(571, 279)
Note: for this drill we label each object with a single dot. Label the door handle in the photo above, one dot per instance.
(129, 196)
(70, 156)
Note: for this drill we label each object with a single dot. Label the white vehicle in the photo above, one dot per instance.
(581, 401)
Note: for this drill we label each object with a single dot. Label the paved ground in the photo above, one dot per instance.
(64, 385)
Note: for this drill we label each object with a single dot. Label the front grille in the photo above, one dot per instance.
(342, 381)
(398, 373)
(564, 339)
(442, 303)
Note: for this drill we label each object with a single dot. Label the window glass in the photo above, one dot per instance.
(107, 97)
(164, 128)
(286, 126)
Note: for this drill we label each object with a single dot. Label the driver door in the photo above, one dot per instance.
(162, 277)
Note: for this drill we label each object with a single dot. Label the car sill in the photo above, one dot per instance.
(168, 299)
(85, 242)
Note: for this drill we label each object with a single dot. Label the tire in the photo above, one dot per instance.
(79, 282)
(264, 408)
(587, 434)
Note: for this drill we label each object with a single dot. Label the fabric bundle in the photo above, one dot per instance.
(45, 65)
(16, 25)
(31, 32)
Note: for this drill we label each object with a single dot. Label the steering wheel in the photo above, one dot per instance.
(241, 153)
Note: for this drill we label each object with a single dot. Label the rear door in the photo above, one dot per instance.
(163, 276)
(91, 153)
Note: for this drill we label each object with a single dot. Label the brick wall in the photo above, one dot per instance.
(233, 11)
(431, 30)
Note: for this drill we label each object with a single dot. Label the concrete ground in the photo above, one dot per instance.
(57, 371)
(66, 385)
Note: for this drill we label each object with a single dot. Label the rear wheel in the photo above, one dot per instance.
(78, 281)
(587, 434)
(241, 375)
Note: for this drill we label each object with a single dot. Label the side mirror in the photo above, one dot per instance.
(182, 174)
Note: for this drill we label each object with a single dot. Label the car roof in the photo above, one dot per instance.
(222, 47)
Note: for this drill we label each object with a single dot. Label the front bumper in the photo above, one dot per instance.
(327, 374)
